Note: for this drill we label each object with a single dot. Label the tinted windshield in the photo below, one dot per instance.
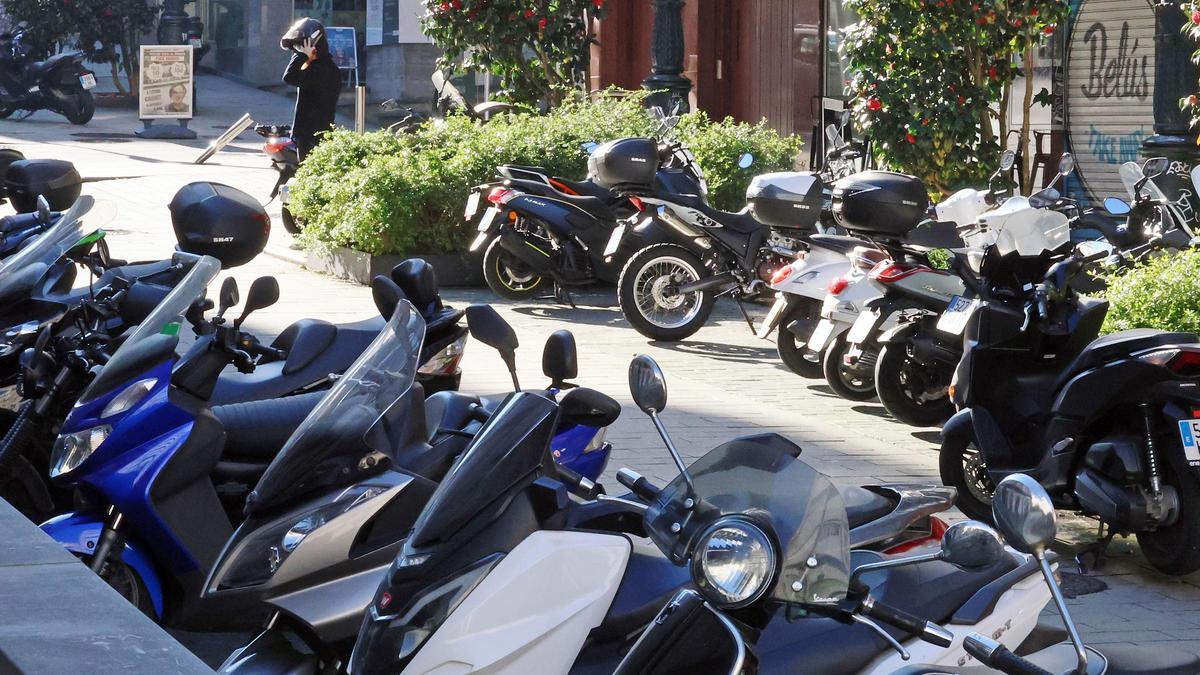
(22, 270)
(165, 318)
(1131, 173)
(760, 477)
(331, 446)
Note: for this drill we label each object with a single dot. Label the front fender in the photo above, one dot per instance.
(79, 532)
(959, 428)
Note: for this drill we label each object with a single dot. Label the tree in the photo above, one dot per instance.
(106, 31)
(538, 48)
(933, 78)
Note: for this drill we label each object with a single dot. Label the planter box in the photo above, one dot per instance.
(452, 269)
(114, 100)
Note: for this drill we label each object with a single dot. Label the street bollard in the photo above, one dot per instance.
(360, 108)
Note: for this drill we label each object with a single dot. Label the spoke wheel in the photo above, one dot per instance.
(649, 296)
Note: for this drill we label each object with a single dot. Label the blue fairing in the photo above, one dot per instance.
(79, 532)
(568, 447)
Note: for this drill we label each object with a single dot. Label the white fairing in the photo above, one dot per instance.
(963, 207)
(812, 273)
(1018, 227)
(1010, 622)
(534, 611)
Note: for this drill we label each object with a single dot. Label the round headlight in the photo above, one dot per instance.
(734, 563)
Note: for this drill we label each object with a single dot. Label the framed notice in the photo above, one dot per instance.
(374, 22)
(343, 46)
(166, 82)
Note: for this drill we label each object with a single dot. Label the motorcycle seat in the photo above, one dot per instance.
(587, 188)
(823, 645)
(1128, 659)
(594, 207)
(21, 221)
(741, 222)
(837, 243)
(449, 411)
(1117, 345)
(863, 505)
(416, 281)
(256, 430)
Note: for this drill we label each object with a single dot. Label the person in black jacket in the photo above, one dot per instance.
(314, 73)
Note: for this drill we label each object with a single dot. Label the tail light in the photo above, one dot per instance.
(781, 275)
(501, 195)
(937, 529)
(838, 285)
(275, 146)
(637, 203)
(888, 272)
(1183, 361)
(446, 361)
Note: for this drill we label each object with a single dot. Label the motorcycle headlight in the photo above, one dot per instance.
(394, 630)
(734, 563)
(71, 449)
(258, 556)
(129, 397)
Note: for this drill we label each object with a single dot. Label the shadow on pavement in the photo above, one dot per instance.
(720, 351)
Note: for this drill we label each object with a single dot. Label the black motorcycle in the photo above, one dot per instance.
(61, 83)
(1107, 425)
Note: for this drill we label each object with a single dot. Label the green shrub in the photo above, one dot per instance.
(1162, 293)
(380, 193)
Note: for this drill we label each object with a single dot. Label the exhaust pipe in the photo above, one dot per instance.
(541, 261)
(706, 283)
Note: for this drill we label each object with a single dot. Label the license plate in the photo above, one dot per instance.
(954, 318)
(195, 42)
(863, 326)
(772, 318)
(472, 206)
(479, 239)
(87, 81)
(821, 335)
(1189, 433)
(614, 240)
(489, 217)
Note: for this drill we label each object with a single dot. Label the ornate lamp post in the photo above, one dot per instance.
(1174, 78)
(666, 57)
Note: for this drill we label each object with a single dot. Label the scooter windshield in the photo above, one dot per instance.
(762, 479)
(1131, 173)
(348, 432)
(165, 318)
(22, 270)
(1021, 228)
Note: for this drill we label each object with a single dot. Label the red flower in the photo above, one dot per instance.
(598, 3)
(455, 4)
(1017, 22)
(541, 24)
(925, 122)
(874, 104)
(1192, 100)
(911, 138)
(1049, 30)
(1196, 16)
(961, 100)
(529, 14)
(993, 73)
(1033, 11)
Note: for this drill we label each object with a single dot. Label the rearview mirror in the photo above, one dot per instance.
(656, 113)
(1155, 167)
(1066, 164)
(648, 385)
(1115, 206)
(487, 326)
(43, 210)
(228, 296)
(1007, 159)
(845, 118)
(745, 160)
(590, 147)
(971, 545)
(1024, 514)
(264, 292)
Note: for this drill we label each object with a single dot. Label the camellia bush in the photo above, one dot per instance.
(1162, 293)
(538, 48)
(381, 193)
(932, 80)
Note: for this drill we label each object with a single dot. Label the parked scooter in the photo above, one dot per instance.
(1105, 425)
(285, 159)
(61, 83)
(483, 544)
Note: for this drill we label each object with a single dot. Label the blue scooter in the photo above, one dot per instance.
(147, 456)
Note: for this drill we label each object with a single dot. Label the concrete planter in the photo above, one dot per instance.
(452, 269)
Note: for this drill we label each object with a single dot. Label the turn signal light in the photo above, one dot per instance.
(781, 275)
(1183, 361)
(888, 272)
(838, 285)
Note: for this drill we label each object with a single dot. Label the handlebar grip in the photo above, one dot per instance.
(637, 484)
(580, 485)
(926, 630)
(995, 655)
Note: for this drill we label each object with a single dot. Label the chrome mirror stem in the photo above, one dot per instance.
(662, 431)
(1061, 603)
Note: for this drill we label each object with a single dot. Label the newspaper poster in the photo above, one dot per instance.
(166, 82)
(343, 46)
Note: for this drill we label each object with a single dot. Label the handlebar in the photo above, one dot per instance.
(926, 630)
(254, 347)
(584, 487)
(995, 655)
(638, 485)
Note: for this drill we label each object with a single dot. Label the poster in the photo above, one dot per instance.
(343, 47)
(166, 82)
(374, 22)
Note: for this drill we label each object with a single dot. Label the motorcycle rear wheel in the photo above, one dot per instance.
(507, 276)
(901, 388)
(78, 106)
(845, 383)
(646, 298)
(1175, 549)
(289, 221)
(800, 360)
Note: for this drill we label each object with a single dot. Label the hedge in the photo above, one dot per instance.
(1162, 293)
(382, 193)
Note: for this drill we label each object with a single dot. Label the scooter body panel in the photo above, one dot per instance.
(533, 612)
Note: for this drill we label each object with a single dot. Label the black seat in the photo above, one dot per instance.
(386, 294)
(417, 281)
(863, 505)
(836, 242)
(1121, 344)
(588, 188)
(449, 411)
(1130, 659)
(594, 206)
(256, 430)
(303, 341)
(932, 591)
(741, 222)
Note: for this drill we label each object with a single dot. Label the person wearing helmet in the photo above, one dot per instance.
(318, 79)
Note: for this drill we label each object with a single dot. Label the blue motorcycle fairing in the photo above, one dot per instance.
(568, 446)
(79, 532)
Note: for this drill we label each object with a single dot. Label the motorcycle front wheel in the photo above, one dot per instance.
(842, 379)
(912, 393)
(800, 360)
(964, 468)
(648, 299)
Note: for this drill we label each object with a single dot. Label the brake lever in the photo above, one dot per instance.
(904, 655)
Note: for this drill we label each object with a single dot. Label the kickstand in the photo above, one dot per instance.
(1093, 556)
(742, 309)
(562, 295)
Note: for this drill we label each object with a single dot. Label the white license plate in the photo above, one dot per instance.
(1189, 433)
(196, 42)
(863, 325)
(954, 318)
(479, 240)
(87, 81)
(820, 335)
(489, 216)
(772, 318)
(472, 206)
(614, 240)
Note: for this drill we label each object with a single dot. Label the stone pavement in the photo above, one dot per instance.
(723, 381)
